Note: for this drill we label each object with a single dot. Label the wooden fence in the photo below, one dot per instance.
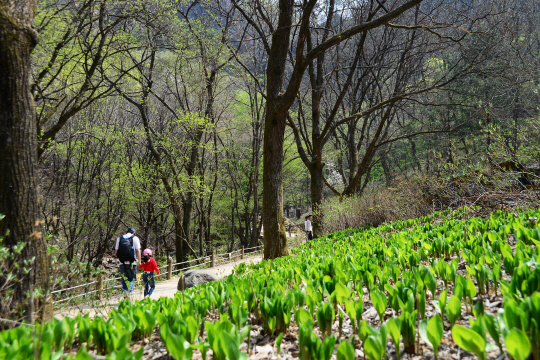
(99, 286)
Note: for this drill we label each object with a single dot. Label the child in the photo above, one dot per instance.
(149, 265)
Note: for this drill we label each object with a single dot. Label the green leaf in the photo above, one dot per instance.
(422, 304)
(278, 342)
(328, 347)
(229, 346)
(518, 344)
(150, 321)
(365, 330)
(453, 310)
(380, 302)
(469, 340)
(431, 282)
(83, 355)
(272, 323)
(359, 307)
(345, 351)
(351, 311)
(442, 302)
(302, 317)
(470, 289)
(61, 333)
(435, 331)
(458, 291)
(176, 345)
(422, 329)
(493, 328)
(394, 330)
(192, 329)
(373, 348)
(342, 292)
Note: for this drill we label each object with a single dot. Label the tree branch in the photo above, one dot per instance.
(381, 20)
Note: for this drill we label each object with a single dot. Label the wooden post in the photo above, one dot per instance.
(169, 268)
(242, 256)
(99, 287)
(183, 286)
(213, 259)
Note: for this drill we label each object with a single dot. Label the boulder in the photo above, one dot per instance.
(197, 277)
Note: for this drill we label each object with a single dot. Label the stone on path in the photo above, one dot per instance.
(197, 277)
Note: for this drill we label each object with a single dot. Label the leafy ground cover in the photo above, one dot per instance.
(458, 288)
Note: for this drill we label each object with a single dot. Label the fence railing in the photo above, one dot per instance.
(213, 260)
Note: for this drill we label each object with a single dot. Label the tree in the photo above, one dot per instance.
(72, 62)
(18, 146)
(279, 98)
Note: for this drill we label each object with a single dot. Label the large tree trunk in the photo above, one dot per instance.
(18, 146)
(275, 239)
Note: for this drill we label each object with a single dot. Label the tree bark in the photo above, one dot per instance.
(317, 187)
(386, 168)
(18, 146)
(275, 239)
(255, 219)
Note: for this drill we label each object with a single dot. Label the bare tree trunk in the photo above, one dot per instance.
(255, 218)
(386, 168)
(317, 187)
(275, 239)
(187, 209)
(255, 162)
(202, 223)
(18, 146)
(233, 204)
(415, 155)
(187, 206)
(178, 238)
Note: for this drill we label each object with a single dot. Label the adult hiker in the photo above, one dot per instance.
(149, 265)
(128, 251)
(309, 228)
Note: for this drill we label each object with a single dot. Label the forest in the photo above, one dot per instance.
(212, 125)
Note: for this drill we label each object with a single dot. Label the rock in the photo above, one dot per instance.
(371, 313)
(197, 277)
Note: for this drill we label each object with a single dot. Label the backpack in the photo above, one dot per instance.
(125, 251)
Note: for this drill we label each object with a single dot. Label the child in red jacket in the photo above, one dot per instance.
(149, 265)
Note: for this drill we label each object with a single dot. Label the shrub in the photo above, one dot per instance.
(374, 207)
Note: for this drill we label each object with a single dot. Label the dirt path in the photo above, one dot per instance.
(163, 289)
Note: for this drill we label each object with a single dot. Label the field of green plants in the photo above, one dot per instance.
(443, 286)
